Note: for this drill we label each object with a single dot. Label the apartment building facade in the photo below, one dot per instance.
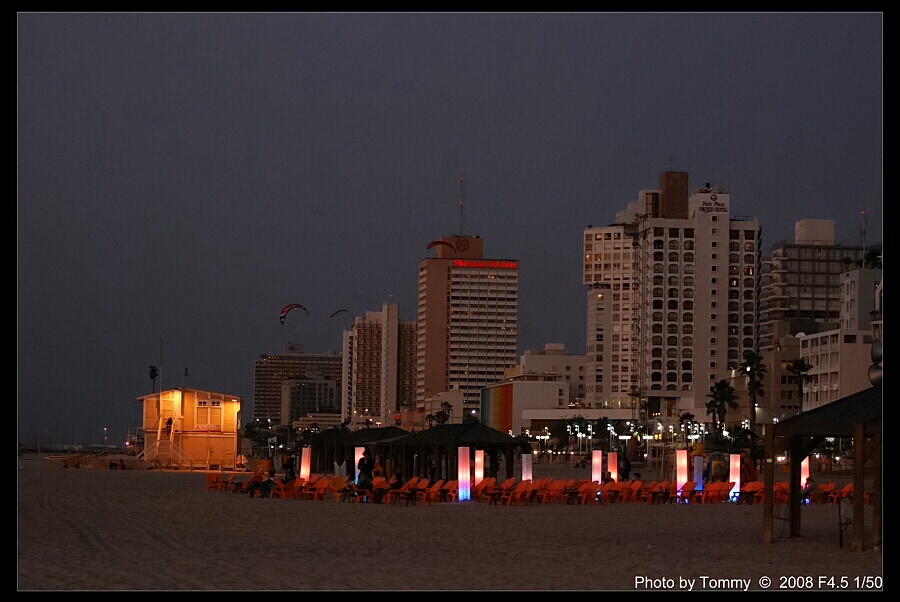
(378, 368)
(274, 404)
(801, 282)
(682, 278)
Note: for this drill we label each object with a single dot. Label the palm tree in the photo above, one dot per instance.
(688, 418)
(800, 368)
(872, 259)
(755, 370)
(721, 397)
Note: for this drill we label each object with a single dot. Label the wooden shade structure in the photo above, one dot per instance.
(858, 416)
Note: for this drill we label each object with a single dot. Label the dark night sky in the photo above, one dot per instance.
(181, 177)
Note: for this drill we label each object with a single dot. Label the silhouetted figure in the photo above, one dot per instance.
(365, 466)
(289, 471)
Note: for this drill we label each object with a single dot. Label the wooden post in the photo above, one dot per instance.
(769, 481)
(859, 462)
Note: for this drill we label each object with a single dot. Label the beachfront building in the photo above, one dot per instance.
(547, 385)
(274, 405)
(813, 285)
(801, 281)
(526, 402)
(671, 306)
(190, 429)
(840, 358)
(313, 395)
(553, 359)
(378, 370)
(467, 324)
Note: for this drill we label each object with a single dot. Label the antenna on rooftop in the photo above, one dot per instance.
(864, 218)
(461, 199)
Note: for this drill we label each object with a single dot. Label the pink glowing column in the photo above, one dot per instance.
(612, 465)
(463, 475)
(804, 471)
(734, 474)
(526, 467)
(305, 461)
(681, 467)
(479, 466)
(597, 465)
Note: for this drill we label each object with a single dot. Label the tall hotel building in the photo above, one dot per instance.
(467, 320)
(379, 368)
(671, 301)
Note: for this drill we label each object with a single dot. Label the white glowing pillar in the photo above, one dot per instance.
(612, 465)
(698, 471)
(597, 465)
(463, 475)
(479, 466)
(526, 467)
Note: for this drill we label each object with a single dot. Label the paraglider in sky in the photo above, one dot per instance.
(287, 308)
(337, 312)
(435, 243)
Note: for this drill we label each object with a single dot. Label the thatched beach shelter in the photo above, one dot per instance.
(439, 445)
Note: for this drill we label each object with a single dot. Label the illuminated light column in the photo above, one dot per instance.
(734, 473)
(463, 475)
(597, 465)
(479, 466)
(681, 467)
(305, 461)
(612, 465)
(804, 471)
(357, 454)
(526, 467)
(698, 471)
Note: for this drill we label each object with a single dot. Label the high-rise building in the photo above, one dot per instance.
(801, 281)
(270, 373)
(681, 275)
(379, 368)
(467, 320)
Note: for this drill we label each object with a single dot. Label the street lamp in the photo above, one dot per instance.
(647, 440)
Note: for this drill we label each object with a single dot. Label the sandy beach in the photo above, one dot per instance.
(149, 530)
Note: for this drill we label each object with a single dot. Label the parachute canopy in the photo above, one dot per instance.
(288, 308)
(337, 312)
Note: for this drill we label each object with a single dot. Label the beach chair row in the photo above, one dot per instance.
(321, 487)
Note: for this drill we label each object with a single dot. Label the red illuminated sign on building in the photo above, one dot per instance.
(480, 263)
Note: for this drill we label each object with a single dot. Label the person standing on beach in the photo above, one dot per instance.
(289, 472)
(365, 466)
(625, 468)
